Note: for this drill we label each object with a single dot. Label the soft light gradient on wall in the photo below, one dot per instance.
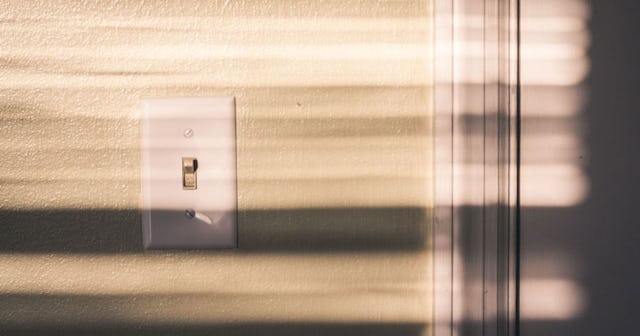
(334, 164)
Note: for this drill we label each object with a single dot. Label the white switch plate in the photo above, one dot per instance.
(202, 128)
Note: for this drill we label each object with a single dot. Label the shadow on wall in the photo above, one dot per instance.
(333, 124)
(554, 172)
(330, 230)
(244, 329)
(334, 272)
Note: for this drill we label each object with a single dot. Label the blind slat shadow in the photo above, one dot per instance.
(285, 230)
(281, 329)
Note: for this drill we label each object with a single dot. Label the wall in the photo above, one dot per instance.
(333, 107)
(555, 64)
(590, 243)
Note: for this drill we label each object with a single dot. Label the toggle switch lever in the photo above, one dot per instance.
(189, 173)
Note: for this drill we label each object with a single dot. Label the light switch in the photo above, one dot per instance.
(189, 173)
(189, 196)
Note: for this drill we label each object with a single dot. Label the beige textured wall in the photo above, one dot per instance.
(334, 159)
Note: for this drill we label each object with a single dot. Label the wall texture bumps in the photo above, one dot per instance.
(334, 165)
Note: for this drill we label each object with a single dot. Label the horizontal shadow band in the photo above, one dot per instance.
(248, 329)
(277, 230)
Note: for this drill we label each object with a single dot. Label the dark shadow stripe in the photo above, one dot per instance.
(287, 230)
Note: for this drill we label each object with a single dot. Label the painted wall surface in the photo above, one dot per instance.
(334, 162)
(588, 248)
